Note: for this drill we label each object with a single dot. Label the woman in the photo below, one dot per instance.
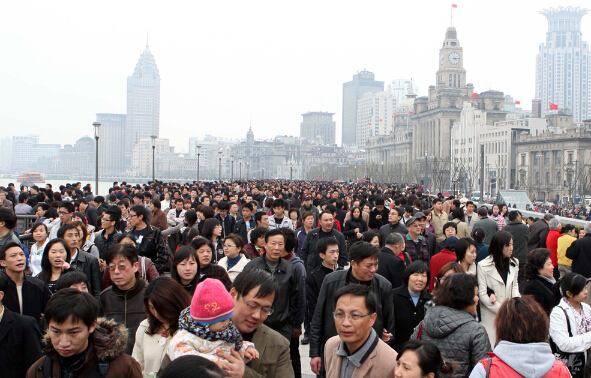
(372, 238)
(466, 255)
(235, 259)
(165, 203)
(355, 227)
(54, 263)
(419, 359)
(462, 227)
(540, 279)
(430, 226)
(190, 223)
(164, 299)
(446, 271)
(478, 234)
(569, 235)
(212, 231)
(40, 235)
(409, 301)
(185, 269)
(497, 217)
(204, 250)
(505, 212)
(497, 274)
(522, 349)
(302, 232)
(81, 217)
(256, 247)
(451, 325)
(83, 242)
(294, 215)
(552, 243)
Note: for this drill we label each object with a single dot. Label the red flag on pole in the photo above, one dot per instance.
(454, 5)
(474, 95)
(553, 106)
(517, 102)
(380, 120)
(410, 112)
(395, 115)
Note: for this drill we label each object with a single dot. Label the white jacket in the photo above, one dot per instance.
(559, 330)
(285, 223)
(236, 269)
(173, 220)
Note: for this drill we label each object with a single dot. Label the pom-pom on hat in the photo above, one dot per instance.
(211, 302)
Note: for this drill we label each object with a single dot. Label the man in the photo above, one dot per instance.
(364, 265)
(176, 216)
(109, 235)
(80, 260)
(228, 222)
(328, 250)
(470, 217)
(261, 219)
(79, 344)
(25, 295)
(538, 233)
(159, 219)
(416, 245)
(439, 218)
(520, 233)
(99, 204)
(357, 350)
(378, 217)
(285, 306)
(234, 212)
(393, 259)
(22, 208)
(123, 301)
(65, 212)
(394, 225)
(7, 223)
(244, 225)
(308, 252)
(148, 239)
(138, 199)
(90, 212)
(447, 205)
(489, 225)
(4, 202)
(20, 339)
(278, 219)
(308, 207)
(578, 252)
(431, 238)
(123, 205)
(408, 212)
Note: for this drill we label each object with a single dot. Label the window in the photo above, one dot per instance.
(522, 159)
(570, 158)
(547, 178)
(558, 178)
(536, 158)
(557, 159)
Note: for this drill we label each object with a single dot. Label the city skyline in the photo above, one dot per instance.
(238, 58)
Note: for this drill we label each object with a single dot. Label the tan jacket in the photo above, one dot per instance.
(463, 231)
(380, 363)
(438, 222)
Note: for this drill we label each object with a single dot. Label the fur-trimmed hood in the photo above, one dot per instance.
(108, 341)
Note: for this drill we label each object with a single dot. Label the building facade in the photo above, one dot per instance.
(362, 82)
(401, 87)
(318, 127)
(111, 143)
(22, 152)
(142, 155)
(375, 115)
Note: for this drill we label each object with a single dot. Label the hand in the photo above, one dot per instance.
(102, 265)
(357, 230)
(251, 353)
(65, 266)
(378, 217)
(233, 364)
(295, 333)
(315, 363)
(359, 235)
(493, 299)
(386, 336)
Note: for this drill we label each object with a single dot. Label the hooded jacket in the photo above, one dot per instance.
(107, 343)
(457, 334)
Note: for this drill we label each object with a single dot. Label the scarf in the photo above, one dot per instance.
(229, 334)
(583, 322)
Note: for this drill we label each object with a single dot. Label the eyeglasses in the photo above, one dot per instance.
(63, 213)
(264, 310)
(106, 220)
(351, 317)
(132, 215)
(121, 267)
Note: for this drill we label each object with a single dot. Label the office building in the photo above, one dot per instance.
(362, 82)
(318, 127)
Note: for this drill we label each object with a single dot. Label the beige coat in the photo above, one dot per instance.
(438, 222)
(236, 269)
(463, 231)
(489, 277)
(380, 363)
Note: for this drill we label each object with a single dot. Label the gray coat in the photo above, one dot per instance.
(457, 334)
(520, 234)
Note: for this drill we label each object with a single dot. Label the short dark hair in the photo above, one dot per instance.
(3, 283)
(223, 205)
(63, 229)
(378, 201)
(7, 246)
(416, 267)
(156, 203)
(140, 210)
(371, 301)
(483, 212)
(248, 280)
(574, 283)
(200, 241)
(513, 214)
(436, 200)
(324, 212)
(248, 206)
(128, 251)
(191, 366)
(71, 278)
(99, 199)
(291, 239)
(362, 250)
(450, 224)
(429, 358)
(323, 244)
(259, 216)
(458, 213)
(462, 246)
(181, 255)
(256, 233)
(69, 206)
(274, 232)
(71, 304)
(8, 217)
(368, 236)
(457, 291)
(522, 320)
(536, 258)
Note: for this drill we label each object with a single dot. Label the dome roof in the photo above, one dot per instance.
(406, 104)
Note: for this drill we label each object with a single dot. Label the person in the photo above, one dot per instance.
(357, 349)
(479, 235)
(40, 236)
(489, 226)
(462, 228)
(7, 223)
(204, 250)
(466, 255)
(538, 233)
(393, 260)
(394, 224)
(539, 273)
(212, 230)
(247, 223)
(55, 263)
(158, 219)
(569, 235)
(552, 242)
(227, 221)
(520, 234)
(421, 359)
(110, 234)
(149, 240)
(364, 264)
(470, 217)
(234, 260)
(409, 301)
(278, 219)
(378, 216)
(522, 347)
(256, 247)
(79, 344)
(308, 207)
(164, 299)
(355, 226)
(417, 246)
(192, 366)
(439, 218)
(65, 211)
(446, 271)
(372, 238)
(452, 326)
(308, 252)
(578, 253)
(74, 279)
(446, 255)
(123, 300)
(497, 216)
(20, 339)
(185, 269)
(302, 232)
(497, 274)
(83, 243)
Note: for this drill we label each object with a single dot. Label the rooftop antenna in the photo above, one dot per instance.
(147, 39)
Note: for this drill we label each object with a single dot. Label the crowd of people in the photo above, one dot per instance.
(230, 279)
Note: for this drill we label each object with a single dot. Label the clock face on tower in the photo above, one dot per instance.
(454, 58)
(441, 59)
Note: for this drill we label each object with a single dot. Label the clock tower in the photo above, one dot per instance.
(451, 73)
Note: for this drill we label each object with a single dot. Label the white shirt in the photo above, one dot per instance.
(35, 258)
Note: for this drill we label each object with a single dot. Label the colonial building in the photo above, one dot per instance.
(318, 127)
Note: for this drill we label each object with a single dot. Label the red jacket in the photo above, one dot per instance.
(437, 262)
(552, 245)
(500, 369)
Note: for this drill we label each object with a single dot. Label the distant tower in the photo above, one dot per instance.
(563, 64)
(362, 82)
(143, 102)
(250, 137)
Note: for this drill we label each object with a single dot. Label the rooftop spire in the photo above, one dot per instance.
(147, 39)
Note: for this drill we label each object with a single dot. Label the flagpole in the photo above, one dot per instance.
(451, 16)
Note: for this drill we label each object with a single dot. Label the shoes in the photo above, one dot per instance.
(306, 340)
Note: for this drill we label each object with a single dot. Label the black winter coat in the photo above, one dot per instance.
(579, 253)
(20, 344)
(153, 247)
(35, 297)
(309, 254)
(391, 267)
(541, 289)
(89, 265)
(350, 226)
(408, 316)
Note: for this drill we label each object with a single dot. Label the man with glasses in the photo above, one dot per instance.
(417, 246)
(109, 235)
(65, 211)
(148, 239)
(357, 342)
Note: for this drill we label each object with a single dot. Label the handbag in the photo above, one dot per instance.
(575, 362)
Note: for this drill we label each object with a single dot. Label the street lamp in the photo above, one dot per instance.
(291, 169)
(220, 152)
(240, 163)
(425, 180)
(262, 173)
(382, 172)
(232, 168)
(96, 138)
(247, 169)
(198, 156)
(154, 157)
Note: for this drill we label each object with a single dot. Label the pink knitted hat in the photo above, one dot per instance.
(211, 302)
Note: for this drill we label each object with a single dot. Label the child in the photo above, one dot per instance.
(205, 327)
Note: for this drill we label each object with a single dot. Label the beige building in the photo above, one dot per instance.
(142, 156)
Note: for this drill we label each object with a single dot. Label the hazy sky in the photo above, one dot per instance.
(225, 63)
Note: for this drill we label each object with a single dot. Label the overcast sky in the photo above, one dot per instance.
(225, 63)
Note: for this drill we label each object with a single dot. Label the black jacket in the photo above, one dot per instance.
(432, 240)
(377, 223)
(579, 253)
(389, 228)
(89, 265)
(408, 316)
(313, 285)
(240, 229)
(228, 224)
(92, 216)
(103, 243)
(153, 247)
(349, 229)
(308, 252)
(538, 233)
(20, 344)
(391, 267)
(541, 289)
(285, 305)
(520, 234)
(323, 328)
(35, 297)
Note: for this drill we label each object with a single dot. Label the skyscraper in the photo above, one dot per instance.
(375, 115)
(318, 127)
(143, 102)
(111, 143)
(362, 82)
(563, 64)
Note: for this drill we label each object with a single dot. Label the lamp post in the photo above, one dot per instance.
(425, 180)
(220, 152)
(240, 164)
(247, 169)
(232, 168)
(198, 156)
(575, 185)
(96, 138)
(153, 157)
(291, 169)
(382, 181)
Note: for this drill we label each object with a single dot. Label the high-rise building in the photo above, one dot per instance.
(22, 152)
(563, 64)
(143, 102)
(401, 87)
(111, 143)
(375, 115)
(318, 127)
(362, 82)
